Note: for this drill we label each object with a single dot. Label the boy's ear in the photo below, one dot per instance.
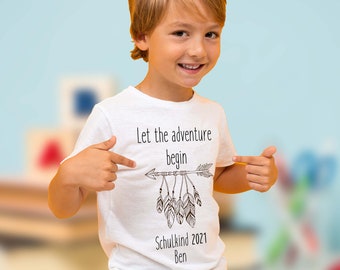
(141, 42)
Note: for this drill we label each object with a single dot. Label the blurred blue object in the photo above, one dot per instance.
(84, 99)
(320, 171)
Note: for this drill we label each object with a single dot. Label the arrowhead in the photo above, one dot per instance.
(151, 174)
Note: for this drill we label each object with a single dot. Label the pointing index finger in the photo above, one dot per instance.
(244, 160)
(119, 159)
(240, 160)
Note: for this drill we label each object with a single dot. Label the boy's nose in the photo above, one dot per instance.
(197, 48)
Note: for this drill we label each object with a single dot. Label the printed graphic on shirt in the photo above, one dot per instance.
(178, 196)
(182, 205)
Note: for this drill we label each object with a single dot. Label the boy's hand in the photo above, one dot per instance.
(261, 170)
(95, 167)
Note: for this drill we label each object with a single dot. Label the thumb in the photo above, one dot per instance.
(106, 145)
(269, 152)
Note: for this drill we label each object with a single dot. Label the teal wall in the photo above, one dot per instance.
(277, 78)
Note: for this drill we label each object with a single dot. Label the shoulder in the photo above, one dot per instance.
(121, 102)
(208, 103)
(119, 98)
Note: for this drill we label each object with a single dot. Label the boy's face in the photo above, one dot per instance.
(182, 49)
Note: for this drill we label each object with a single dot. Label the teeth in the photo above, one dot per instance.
(190, 66)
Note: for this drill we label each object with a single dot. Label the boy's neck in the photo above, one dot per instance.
(175, 94)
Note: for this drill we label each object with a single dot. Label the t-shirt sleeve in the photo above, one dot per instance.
(95, 130)
(226, 146)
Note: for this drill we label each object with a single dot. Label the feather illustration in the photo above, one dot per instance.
(184, 207)
(189, 209)
(159, 205)
(197, 197)
(203, 170)
(169, 210)
(179, 211)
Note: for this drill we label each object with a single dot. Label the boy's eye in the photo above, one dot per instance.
(212, 35)
(180, 33)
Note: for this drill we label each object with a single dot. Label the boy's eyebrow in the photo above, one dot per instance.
(179, 24)
(188, 25)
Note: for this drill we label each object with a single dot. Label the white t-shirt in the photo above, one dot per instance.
(161, 214)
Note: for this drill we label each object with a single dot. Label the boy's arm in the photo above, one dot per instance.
(93, 169)
(249, 172)
(64, 197)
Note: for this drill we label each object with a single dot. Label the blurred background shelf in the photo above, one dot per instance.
(31, 255)
(24, 213)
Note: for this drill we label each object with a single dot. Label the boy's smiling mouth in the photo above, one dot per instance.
(190, 67)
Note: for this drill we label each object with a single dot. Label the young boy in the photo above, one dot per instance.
(154, 153)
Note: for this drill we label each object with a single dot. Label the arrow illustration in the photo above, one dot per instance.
(202, 170)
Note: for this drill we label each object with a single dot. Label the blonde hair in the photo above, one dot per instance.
(146, 14)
